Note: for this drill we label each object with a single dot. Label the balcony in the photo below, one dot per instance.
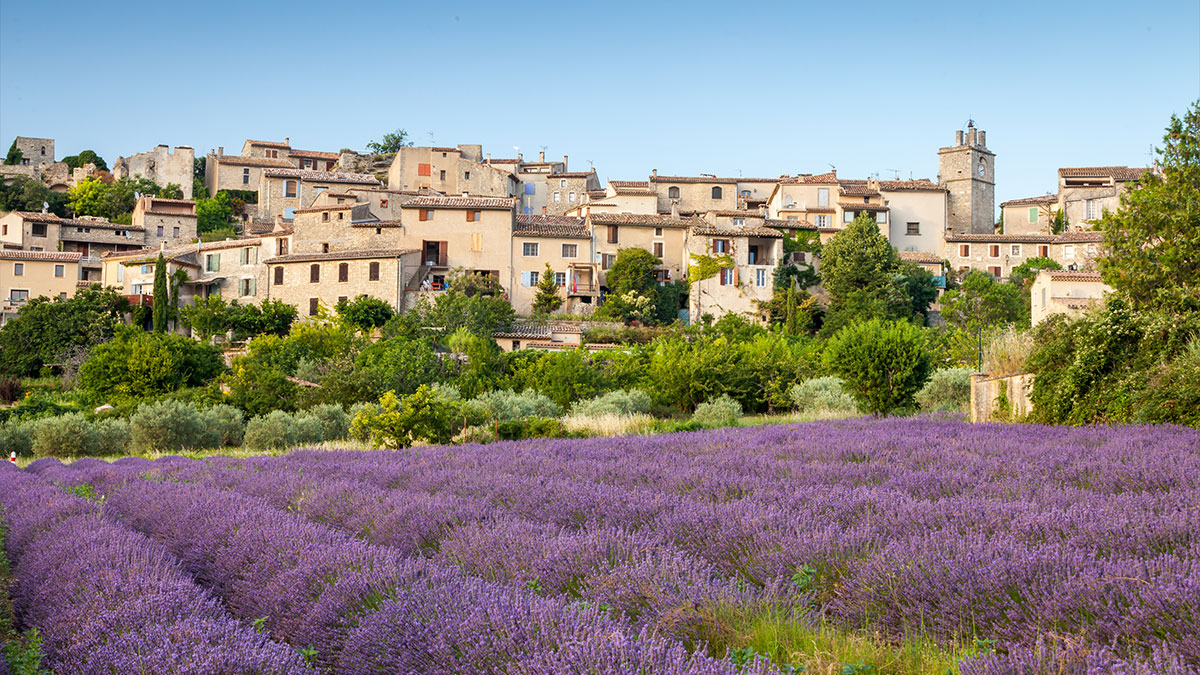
(582, 289)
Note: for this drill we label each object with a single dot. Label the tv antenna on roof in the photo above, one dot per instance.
(831, 167)
(430, 137)
(591, 164)
(895, 171)
(543, 147)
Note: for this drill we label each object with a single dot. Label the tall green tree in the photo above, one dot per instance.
(882, 363)
(86, 157)
(1152, 242)
(44, 330)
(982, 301)
(547, 299)
(14, 155)
(391, 143)
(213, 213)
(162, 301)
(28, 194)
(857, 258)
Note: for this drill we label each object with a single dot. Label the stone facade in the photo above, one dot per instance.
(456, 171)
(997, 254)
(744, 287)
(160, 165)
(315, 281)
(35, 151)
(25, 275)
(692, 195)
(167, 222)
(967, 170)
(282, 191)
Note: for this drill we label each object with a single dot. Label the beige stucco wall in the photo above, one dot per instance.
(579, 269)
(38, 277)
(673, 240)
(1047, 296)
(1017, 218)
(752, 285)
(694, 197)
(927, 209)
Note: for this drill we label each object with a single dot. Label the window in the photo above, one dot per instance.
(1033, 214)
(822, 196)
(289, 188)
(18, 269)
(324, 247)
(383, 203)
(530, 188)
(59, 271)
(1044, 251)
(823, 220)
(423, 169)
(313, 304)
(716, 193)
(560, 278)
(1015, 249)
(728, 276)
(441, 175)
(282, 245)
(913, 228)
(373, 272)
(247, 287)
(474, 216)
(529, 249)
(38, 230)
(1092, 208)
(1069, 251)
(760, 278)
(279, 276)
(994, 270)
(739, 222)
(570, 250)
(658, 231)
(477, 241)
(343, 272)
(881, 216)
(159, 231)
(62, 296)
(308, 164)
(212, 262)
(466, 175)
(607, 260)
(342, 299)
(245, 176)
(534, 277)
(612, 234)
(174, 231)
(672, 193)
(314, 274)
(325, 217)
(249, 255)
(994, 250)
(557, 196)
(18, 295)
(658, 250)
(43, 151)
(964, 250)
(379, 230)
(425, 214)
(720, 246)
(570, 196)
(562, 182)
(847, 216)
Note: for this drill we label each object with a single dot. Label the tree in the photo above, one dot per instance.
(171, 191)
(161, 295)
(136, 365)
(28, 194)
(882, 363)
(365, 312)
(1152, 243)
(632, 291)
(391, 143)
(114, 201)
(917, 283)
(424, 415)
(45, 330)
(981, 300)
(1023, 275)
(857, 258)
(14, 154)
(802, 275)
(213, 213)
(206, 317)
(86, 157)
(547, 299)
(473, 300)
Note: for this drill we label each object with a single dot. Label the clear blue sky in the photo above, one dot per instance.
(756, 89)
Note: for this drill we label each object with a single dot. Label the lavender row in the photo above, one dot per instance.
(106, 600)
(368, 609)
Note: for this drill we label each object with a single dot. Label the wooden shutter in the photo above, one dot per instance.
(423, 169)
(312, 306)
(612, 234)
(373, 272)
(279, 276)
(442, 247)
(344, 272)
(254, 287)
(722, 276)
(314, 273)
(470, 216)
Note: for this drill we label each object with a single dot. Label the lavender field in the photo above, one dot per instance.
(986, 549)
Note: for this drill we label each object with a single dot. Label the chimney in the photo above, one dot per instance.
(162, 246)
(489, 158)
(654, 173)
(44, 207)
(564, 162)
(220, 149)
(519, 157)
(466, 194)
(542, 157)
(982, 138)
(287, 141)
(674, 208)
(958, 137)
(543, 210)
(972, 138)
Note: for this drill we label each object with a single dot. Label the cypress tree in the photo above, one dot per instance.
(162, 301)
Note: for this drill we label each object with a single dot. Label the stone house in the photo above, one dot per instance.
(165, 221)
(743, 287)
(1078, 249)
(282, 191)
(1029, 215)
(471, 233)
(311, 160)
(35, 152)
(692, 195)
(916, 214)
(312, 281)
(563, 192)
(1085, 193)
(554, 336)
(25, 275)
(620, 196)
(1066, 292)
(89, 236)
(809, 198)
(996, 254)
(663, 235)
(235, 172)
(160, 165)
(566, 244)
(230, 269)
(458, 170)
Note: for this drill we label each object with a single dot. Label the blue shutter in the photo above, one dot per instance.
(529, 188)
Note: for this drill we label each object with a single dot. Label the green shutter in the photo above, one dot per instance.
(1033, 214)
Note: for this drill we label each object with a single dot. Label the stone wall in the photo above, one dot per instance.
(160, 165)
(988, 392)
(35, 151)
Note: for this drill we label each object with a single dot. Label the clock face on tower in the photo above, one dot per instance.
(982, 169)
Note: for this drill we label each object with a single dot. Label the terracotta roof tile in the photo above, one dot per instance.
(745, 231)
(313, 154)
(358, 254)
(641, 219)
(573, 174)
(811, 179)
(322, 176)
(377, 223)
(55, 256)
(1003, 238)
(1073, 275)
(566, 227)
(789, 224)
(268, 144)
(917, 184)
(1043, 199)
(919, 257)
(330, 207)
(852, 206)
(238, 160)
(498, 203)
(691, 179)
(859, 188)
(644, 184)
(1118, 173)
(739, 213)
(1073, 236)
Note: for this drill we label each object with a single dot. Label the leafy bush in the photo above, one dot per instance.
(138, 365)
(307, 429)
(948, 389)
(223, 426)
(505, 405)
(70, 435)
(167, 426)
(335, 423)
(883, 363)
(421, 416)
(272, 431)
(111, 437)
(534, 427)
(722, 410)
(619, 402)
(15, 437)
(822, 396)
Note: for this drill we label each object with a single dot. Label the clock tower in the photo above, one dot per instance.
(968, 172)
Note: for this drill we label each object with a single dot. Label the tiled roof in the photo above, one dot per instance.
(184, 249)
(238, 160)
(358, 254)
(852, 206)
(523, 333)
(258, 227)
(377, 223)
(1073, 275)
(502, 161)
(1119, 173)
(810, 179)
(644, 184)
(622, 190)
(641, 219)
(919, 257)
(1043, 199)
(306, 154)
(746, 231)
(858, 188)
(573, 174)
(789, 224)
(1003, 238)
(809, 209)
(499, 203)
(566, 227)
(691, 179)
(740, 213)
(190, 202)
(170, 214)
(269, 144)
(329, 207)
(918, 184)
(55, 256)
(1081, 235)
(38, 217)
(322, 176)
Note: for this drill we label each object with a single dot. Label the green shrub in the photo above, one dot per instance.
(534, 427)
(167, 426)
(361, 433)
(723, 410)
(138, 365)
(822, 396)
(223, 426)
(272, 431)
(421, 416)
(948, 389)
(335, 423)
(70, 435)
(307, 429)
(883, 363)
(111, 437)
(15, 437)
(619, 402)
(505, 405)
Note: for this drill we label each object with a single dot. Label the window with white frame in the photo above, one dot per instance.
(558, 196)
(1092, 209)
(823, 220)
(1015, 249)
(570, 196)
(738, 222)
(1069, 251)
(881, 216)
(17, 295)
(560, 278)
(822, 196)
(529, 249)
(570, 250)
(760, 278)
(720, 246)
